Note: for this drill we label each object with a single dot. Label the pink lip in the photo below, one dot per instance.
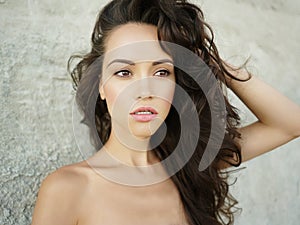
(146, 108)
(144, 118)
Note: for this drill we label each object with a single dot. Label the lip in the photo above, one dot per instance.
(145, 108)
(144, 118)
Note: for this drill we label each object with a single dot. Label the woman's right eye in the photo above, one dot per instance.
(123, 73)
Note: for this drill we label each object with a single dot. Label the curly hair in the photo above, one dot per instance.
(204, 194)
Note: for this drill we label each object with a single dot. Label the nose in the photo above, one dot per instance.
(144, 95)
(144, 90)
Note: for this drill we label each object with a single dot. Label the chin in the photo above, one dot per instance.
(142, 133)
(145, 128)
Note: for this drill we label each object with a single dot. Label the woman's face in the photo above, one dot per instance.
(138, 80)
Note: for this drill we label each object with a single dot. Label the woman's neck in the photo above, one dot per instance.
(132, 150)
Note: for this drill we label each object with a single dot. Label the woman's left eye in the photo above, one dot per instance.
(162, 73)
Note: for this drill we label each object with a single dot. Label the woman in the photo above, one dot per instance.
(137, 76)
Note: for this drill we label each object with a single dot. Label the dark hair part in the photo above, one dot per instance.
(204, 194)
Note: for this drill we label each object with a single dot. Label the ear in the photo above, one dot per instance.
(101, 91)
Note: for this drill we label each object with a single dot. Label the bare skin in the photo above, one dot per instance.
(77, 195)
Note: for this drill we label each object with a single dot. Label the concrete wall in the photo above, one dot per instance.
(36, 135)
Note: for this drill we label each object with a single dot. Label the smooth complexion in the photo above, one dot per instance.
(135, 74)
(131, 80)
(86, 197)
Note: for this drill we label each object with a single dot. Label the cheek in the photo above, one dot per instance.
(118, 99)
(169, 94)
(164, 89)
(111, 94)
(168, 103)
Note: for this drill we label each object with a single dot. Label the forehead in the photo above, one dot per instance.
(137, 42)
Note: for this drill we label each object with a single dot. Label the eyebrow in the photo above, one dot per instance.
(129, 62)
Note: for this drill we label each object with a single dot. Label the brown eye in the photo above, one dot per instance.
(123, 73)
(162, 73)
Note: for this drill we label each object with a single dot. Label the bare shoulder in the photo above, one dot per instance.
(60, 195)
(68, 176)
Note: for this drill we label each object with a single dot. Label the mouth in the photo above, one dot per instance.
(144, 111)
(144, 114)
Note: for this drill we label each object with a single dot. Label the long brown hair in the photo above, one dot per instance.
(204, 194)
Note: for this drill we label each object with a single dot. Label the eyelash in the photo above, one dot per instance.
(127, 71)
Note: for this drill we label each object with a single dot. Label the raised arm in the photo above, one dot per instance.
(278, 117)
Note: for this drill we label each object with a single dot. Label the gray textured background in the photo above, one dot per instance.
(36, 137)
